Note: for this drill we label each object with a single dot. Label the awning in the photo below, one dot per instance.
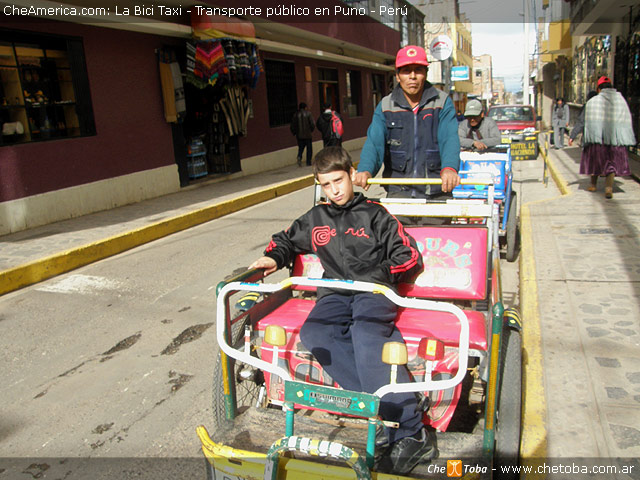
(216, 26)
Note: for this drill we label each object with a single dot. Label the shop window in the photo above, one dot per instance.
(44, 89)
(354, 93)
(328, 86)
(281, 91)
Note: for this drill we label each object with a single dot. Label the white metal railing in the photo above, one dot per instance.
(421, 304)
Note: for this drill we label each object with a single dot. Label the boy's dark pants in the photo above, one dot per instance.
(345, 333)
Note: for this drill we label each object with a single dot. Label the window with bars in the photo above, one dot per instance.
(282, 98)
(44, 88)
(328, 87)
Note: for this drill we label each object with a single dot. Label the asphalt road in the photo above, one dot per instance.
(114, 361)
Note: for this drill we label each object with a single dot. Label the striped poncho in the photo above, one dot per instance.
(608, 120)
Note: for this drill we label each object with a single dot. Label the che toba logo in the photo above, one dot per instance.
(454, 468)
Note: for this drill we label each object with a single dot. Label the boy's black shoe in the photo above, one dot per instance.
(405, 454)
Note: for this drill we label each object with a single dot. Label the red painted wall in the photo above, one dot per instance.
(132, 134)
(262, 138)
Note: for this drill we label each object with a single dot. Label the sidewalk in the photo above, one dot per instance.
(585, 267)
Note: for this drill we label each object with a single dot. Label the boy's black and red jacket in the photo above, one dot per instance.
(357, 241)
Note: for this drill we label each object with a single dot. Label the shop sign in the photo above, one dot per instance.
(460, 73)
(525, 150)
(441, 47)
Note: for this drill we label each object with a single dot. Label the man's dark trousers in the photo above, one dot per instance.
(305, 143)
(345, 333)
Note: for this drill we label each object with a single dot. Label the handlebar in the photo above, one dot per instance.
(430, 181)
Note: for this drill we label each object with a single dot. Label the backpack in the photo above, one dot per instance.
(337, 130)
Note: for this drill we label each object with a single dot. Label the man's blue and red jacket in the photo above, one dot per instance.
(412, 143)
(357, 241)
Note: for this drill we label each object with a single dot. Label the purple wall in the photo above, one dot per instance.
(132, 134)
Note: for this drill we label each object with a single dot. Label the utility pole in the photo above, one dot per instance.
(525, 75)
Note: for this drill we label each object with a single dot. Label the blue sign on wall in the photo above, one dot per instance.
(460, 73)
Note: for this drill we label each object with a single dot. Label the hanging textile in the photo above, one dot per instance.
(222, 62)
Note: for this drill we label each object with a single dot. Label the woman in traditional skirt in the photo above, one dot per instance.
(607, 132)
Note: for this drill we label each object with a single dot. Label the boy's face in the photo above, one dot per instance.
(338, 185)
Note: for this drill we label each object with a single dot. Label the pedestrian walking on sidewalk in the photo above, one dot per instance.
(329, 125)
(560, 122)
(607, 132)
(301, 127)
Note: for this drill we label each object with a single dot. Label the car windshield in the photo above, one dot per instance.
(511, 114)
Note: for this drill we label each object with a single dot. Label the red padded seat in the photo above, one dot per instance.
(413, 324)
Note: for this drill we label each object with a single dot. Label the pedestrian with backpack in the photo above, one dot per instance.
(329, 125)
(301, 127)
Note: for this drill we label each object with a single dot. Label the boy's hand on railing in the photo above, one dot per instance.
(267, 263)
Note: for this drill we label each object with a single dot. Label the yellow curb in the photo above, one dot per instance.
(41, 269)
(534, 408)
(558, 179)
(534, 444)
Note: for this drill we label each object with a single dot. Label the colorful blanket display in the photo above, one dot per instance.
(223, 61)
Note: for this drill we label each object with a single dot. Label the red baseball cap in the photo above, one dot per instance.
(411, 55)
(604, 79)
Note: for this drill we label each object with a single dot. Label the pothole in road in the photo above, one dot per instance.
(124, 344)
(102, 428)
(178, 380)
(189, 335)
(36, 470)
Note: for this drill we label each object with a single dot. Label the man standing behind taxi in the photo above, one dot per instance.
(414, 132)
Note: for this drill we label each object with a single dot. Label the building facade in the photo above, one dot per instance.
(483, 79)
(582, 40)
(100, 110)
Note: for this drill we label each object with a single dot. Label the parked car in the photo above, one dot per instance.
(517, 125)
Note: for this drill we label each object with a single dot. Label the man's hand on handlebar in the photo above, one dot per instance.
(361, 178)
(450, 179)
(267, 263)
